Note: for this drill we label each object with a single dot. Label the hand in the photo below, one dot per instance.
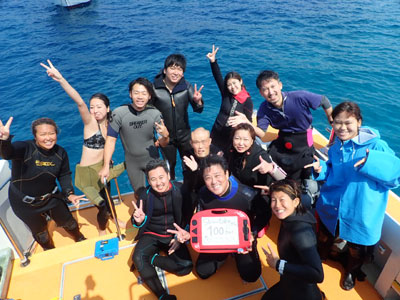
(264, 189)
(211, 55)
(362, 161)
(52, 71)
(238, 119)
(104, 173)
(5, 129)
(173, 246)
(191, 163)
(272, 258)
(161, 128)
(316, 165)
(138, 214)
(75, 199)
(181, 234)
(247, 250)
(264, 167)
(197, 96)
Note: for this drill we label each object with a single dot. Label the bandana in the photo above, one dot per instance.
(242, 96)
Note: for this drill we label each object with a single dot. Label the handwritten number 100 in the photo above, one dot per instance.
(216, 230)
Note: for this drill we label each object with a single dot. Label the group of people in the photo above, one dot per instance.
(224, 168)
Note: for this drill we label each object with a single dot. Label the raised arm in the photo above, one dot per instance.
(215, 69)
(56, 75)
(6, 149)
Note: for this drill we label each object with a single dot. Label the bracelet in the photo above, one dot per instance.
(281, 266)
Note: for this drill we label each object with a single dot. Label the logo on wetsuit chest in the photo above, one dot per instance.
(138, 124)
(44, 163)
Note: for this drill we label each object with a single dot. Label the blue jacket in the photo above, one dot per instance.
(357, 197)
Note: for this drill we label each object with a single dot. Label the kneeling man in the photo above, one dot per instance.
(158, 212)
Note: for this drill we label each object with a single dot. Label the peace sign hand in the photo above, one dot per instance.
(138, 214)
(316, 165)
(5, 129)
(272, 257)
(264, 167)
(211, 55)
(161, 128)
(181, 234)
(197, 96)
(52, 71)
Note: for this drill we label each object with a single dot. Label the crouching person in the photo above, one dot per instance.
(224, 191)
(157, 215)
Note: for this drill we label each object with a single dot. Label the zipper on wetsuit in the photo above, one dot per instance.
(165, 214)
(173, 114)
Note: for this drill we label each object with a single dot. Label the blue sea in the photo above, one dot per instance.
(342, 49)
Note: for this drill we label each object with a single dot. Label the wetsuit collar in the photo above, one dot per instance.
(233, 187)
(164, 193)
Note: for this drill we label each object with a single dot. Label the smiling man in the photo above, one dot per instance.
(172, 97)
(157, 214)
(290, 112)
(191, 167)
(135, 123)
(224, 191)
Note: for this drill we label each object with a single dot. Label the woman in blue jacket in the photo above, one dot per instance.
(359, 173)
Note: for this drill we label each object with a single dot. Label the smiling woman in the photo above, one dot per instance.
(33, 192)
(298, 261)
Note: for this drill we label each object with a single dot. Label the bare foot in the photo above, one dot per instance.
(102, 232)
(121, 224)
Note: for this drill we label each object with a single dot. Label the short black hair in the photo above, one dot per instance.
(214, 159)
(349, 107)
(154, 164)
(290, 188)
(175, 59)
(146, 83)
(42, 121)
(266, 75)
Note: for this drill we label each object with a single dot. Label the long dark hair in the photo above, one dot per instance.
(106, 101)
(229, 75)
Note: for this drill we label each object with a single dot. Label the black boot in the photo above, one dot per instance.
(355, 260)
(73, 229)
(43, 238)
(168, 297)
(349, 282)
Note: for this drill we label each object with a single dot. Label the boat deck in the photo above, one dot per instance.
(72, 272)
(71, 269)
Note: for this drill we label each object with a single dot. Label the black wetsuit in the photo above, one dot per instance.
(174, 109)
(193, 181)
(221, 132)
(241, 166)
(297, 245)
(161, 210)
(239, 197)
(34, 173)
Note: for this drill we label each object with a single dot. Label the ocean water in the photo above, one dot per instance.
(342, 49)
